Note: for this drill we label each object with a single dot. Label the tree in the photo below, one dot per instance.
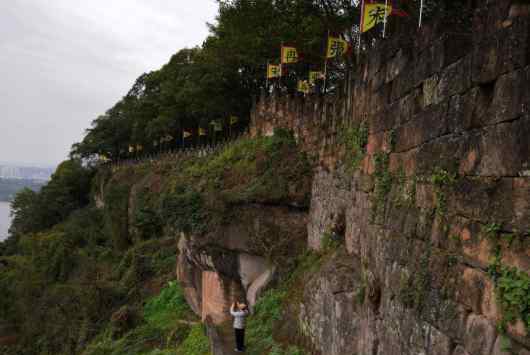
(67, 191)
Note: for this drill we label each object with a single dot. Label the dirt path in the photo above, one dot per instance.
(222, 339)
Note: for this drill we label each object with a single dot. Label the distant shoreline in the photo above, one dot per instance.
(10, 187)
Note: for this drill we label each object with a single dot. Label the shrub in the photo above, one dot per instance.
(196, 343)
(168, 306)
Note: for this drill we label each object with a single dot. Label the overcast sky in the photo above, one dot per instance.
(64, 62)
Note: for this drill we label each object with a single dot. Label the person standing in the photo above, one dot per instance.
(239, 311)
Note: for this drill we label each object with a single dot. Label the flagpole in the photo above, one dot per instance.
(385, 19)
(267, 76)
(281, 68)
(326, 64)
(421, 13)
(360, 27)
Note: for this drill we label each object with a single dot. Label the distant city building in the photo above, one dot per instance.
(26, 173)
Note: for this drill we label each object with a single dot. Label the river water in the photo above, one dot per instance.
(5, 219)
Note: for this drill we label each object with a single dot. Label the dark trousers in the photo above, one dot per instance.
(240, 339)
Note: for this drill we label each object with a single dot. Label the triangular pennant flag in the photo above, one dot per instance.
(202, 132)
(234, 120)
(186, 134)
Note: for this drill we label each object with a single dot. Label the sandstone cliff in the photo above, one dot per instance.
(424, 163)
(410, 186)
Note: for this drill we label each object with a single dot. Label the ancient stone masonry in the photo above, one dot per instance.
(423, 163)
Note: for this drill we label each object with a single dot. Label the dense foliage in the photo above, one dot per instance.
(205, 86)
(67, 191)
(77, 278)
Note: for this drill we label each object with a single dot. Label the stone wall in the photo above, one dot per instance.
(439, 200)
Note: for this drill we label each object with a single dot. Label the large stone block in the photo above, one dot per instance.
(456, 46)
(441, 153)
(505, 149)
(357, 219)
(502, 52)
(426, 126)
(428, 62)
(480, 335)
(397, 65)
(454, 79)
(330, 313)
(329, 200)
(483, 199)
(510, 98)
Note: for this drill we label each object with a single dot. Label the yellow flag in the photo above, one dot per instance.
(202, 132)
(289, 55)
(336, 47)
(216, 126)
(374, 14)
(186, 134)
(303, 86)
(233, 119)
(139, 147)
(274, 71)
(103, 157)
(314, 76)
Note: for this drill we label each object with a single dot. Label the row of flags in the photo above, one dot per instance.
(217, 126)
(372, 15)
(289, 55)
(336, 47)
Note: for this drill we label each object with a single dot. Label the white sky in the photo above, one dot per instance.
(64, 62)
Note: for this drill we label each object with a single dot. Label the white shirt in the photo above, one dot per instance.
(239, 317)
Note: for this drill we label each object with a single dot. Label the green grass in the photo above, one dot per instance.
(196, 343)
(267, 313)
(161, 332)
(168, 307)
(260, 324)
(198, 194)
(354, 140)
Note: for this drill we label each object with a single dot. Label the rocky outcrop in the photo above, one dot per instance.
(432, 204)
(234, 264)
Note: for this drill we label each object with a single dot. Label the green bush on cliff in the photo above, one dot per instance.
(200, 191)
(67, 191)
(168, 307)
(513, 295)
(196, 343)
(354, 140)
(146, 218)
(164, 329)
(267, 311)
(184, 209)
(116, 215)
(260, 325)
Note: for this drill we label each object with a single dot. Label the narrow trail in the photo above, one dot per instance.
(222, 338)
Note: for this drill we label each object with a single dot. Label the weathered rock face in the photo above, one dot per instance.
(445, 175)
(234, 264)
